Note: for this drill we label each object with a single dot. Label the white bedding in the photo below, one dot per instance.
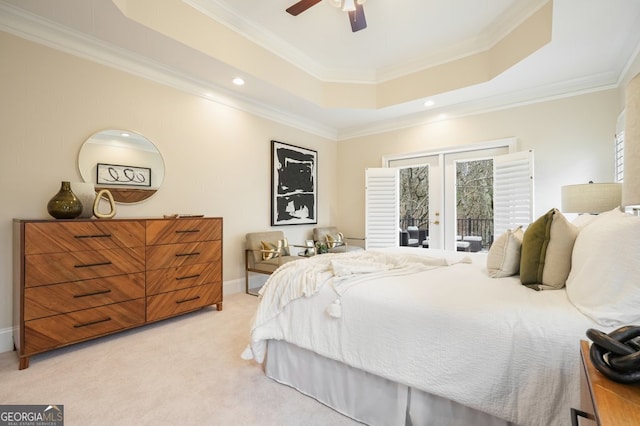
(488, 343)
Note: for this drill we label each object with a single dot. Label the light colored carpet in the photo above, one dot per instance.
(182, 371)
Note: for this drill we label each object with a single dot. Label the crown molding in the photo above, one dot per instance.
(45, 32)
(34, 28)
(534, 95)
(264, 38)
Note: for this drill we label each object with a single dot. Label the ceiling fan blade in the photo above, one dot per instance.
(301, 6)
(357, 19)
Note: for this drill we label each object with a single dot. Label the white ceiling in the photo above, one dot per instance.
(592, 44)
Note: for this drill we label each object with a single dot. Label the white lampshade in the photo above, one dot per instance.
(631, 179)
(591, 197)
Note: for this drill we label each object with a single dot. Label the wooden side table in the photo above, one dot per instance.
(604, 401)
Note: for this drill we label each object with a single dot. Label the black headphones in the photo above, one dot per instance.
(617, 354)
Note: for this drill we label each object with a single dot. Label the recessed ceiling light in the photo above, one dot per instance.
(238, 81)
(429, 103)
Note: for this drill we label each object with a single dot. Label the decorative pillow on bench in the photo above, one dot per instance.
(335, 240)
(278, 248)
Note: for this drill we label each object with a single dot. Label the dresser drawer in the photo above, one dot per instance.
(171, 255)
(164, 280)
(168, 304)
(44, 301)
(41, 269)
(171, 231)
(52, 237)
(47, 333)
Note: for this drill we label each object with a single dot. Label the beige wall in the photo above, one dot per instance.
(217, 158)
(572, 139)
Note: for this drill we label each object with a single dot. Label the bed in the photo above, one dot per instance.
(421, 336)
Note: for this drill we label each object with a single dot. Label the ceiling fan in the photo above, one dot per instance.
(353, 7)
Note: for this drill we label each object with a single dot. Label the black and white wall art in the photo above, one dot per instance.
(294, 187)
(114, 174)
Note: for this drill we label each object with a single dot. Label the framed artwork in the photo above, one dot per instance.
(294, 187)
(113, 174)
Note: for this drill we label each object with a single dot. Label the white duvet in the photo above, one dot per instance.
(436, 323)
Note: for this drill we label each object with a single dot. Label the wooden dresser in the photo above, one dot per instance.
(604, 401)
(76, 280)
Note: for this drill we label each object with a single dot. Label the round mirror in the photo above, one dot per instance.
(124, 162)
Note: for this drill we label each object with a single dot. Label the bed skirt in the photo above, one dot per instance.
(363, 396)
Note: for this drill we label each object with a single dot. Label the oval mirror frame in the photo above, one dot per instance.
(124, 162)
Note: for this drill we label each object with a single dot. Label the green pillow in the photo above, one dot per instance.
(534, 250)
(547, 246)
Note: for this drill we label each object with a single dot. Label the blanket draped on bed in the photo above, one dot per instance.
(294, 280)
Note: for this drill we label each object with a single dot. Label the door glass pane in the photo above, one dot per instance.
(414, 204)
(474, 205)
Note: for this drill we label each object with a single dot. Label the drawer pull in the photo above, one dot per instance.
(187, 277)
(95, 293)
(195, 253)
(191, 299)
(93, 236)
(89, 265)
(186, 231)
(92, 323)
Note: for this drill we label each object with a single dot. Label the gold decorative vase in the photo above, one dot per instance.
(65, 204)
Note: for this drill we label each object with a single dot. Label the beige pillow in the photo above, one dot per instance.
(503, 259)
(547, 245)
(558, 260)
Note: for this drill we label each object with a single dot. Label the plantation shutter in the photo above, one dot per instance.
(513, 191)
(619, 148)
(382, 209)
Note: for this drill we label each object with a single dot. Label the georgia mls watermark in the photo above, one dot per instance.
(31, 415)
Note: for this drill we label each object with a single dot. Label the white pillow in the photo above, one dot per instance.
(503, 259)
(584, 219)
(604, 282)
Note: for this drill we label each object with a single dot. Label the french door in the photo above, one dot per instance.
(431, 194)
(513, 188)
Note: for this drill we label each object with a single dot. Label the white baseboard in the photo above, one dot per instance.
(6, 334)
(6, 340)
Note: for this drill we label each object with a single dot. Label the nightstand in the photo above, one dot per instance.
(604, 401)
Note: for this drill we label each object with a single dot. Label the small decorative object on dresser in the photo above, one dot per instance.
(65, 204)
(82, 279)
(112, 205)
